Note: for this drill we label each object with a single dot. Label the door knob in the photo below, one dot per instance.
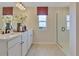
(63, 29)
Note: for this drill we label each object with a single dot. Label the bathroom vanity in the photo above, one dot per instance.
(15, 44)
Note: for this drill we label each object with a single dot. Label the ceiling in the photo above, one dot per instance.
(35, 4)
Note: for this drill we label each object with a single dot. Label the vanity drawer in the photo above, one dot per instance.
(14, 41)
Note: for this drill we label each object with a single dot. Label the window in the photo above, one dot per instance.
(42, 21)
(42, 13)
(68, 22)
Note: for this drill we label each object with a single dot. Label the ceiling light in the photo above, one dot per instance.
(20, 6)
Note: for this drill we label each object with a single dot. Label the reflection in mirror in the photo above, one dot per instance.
(18, 19)
(2, 22)
(10, 21)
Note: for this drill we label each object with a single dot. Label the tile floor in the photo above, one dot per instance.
(45, 50)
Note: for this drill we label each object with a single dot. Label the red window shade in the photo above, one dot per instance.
(7, 10)
(42, 10)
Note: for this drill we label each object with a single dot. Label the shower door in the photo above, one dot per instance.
(62, 29)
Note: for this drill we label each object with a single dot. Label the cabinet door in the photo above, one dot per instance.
(24, 43)
(30, 35)
(24, 48)
(15, 50)
(3, 48)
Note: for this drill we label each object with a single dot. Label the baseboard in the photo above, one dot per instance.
(44, 43)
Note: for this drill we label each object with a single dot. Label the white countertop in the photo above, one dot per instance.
(9, 35)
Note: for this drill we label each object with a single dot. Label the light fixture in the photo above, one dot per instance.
(20, 6)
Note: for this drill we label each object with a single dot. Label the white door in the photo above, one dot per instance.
(62, 30)
(15, 50)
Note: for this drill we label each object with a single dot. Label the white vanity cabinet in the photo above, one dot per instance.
(16, 45)
(15, 51)
(3, 48)
(10, 45)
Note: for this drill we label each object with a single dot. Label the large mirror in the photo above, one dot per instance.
(10, 21)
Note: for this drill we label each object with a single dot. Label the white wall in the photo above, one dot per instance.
(31, 20)
(73, 29)
(74, 33)
(77, 29)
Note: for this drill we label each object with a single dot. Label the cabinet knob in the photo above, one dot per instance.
(22, 42)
